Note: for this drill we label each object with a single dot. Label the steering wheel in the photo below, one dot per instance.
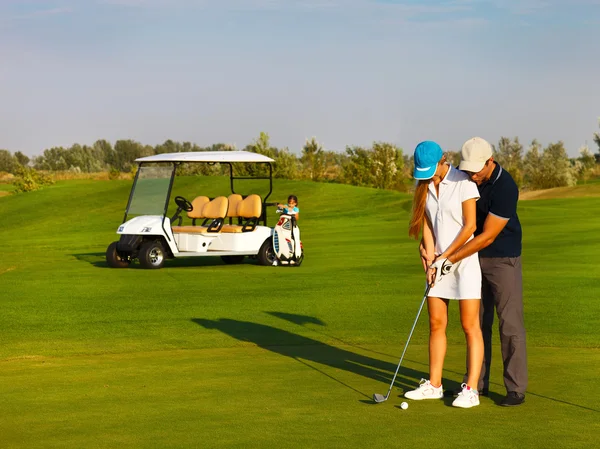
(183, 204)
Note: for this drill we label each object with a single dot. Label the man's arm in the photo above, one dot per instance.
(491, 228)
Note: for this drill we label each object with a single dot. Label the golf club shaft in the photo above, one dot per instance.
(408, 341)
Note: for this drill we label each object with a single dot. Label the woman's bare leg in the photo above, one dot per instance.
(438, 320)
(469, 318)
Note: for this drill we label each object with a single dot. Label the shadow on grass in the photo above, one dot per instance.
(99, 260)
(498, 397)
(305, 350)
(302, 320)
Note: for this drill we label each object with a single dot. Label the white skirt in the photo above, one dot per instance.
(463, 283)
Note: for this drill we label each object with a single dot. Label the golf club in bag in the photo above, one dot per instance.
(380, 398)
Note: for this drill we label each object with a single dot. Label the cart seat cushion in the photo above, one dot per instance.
(234, 200)
(250, 207)
(189, 229)
(217, 208)
(198, 205)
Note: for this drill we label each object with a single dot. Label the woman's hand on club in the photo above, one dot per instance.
(430, 275)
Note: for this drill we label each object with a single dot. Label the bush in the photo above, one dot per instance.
(114, 174)
(29, 179)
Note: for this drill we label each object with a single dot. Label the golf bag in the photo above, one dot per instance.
(286, 241)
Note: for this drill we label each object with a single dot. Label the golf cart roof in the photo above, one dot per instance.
(207, 156)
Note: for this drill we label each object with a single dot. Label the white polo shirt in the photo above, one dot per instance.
(446, 216)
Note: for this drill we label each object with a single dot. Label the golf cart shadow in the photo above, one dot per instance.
(304, 349)
(98, 260)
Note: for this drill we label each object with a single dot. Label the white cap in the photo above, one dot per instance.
(474, 154)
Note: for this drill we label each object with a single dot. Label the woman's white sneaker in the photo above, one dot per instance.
(425, 391)
(467, 398)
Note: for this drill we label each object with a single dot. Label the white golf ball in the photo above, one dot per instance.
(404, 406)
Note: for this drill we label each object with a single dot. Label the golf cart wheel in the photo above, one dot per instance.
(152, 255)
(300, 259)
(116, 259)
(231, 260)
(266, 253)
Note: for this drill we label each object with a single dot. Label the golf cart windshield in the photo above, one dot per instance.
(151, 190)
(154, 180)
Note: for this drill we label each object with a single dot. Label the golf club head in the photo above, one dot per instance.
(379, 398)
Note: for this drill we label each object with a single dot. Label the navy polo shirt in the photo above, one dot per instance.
(499, 196)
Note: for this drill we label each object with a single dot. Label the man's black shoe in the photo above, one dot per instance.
(454, 393)
(513, 398)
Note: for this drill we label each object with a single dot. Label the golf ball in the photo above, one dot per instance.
(404, 406)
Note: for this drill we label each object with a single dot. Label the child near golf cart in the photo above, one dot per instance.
(291, 208)
(444, 210)
(286, 235)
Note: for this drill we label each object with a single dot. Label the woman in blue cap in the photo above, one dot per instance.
(444, 213)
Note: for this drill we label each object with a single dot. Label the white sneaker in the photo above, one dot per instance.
(467, 398)
(425, 391)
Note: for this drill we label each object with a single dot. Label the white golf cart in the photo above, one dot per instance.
(231, 227)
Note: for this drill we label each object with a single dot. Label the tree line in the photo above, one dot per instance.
(382, 165)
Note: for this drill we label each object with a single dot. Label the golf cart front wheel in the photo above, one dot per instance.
(151, 255)
(116, 259)
(266, 253)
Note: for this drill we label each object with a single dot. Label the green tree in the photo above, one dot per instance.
(509, 154)
(85, 159)
(334, 163)
(313, 160)
(22, 159)
(597, 140)
(453, 157)
(549, 169)
(168, 146)
(386, 165)
(260, 145)
(557, 164)
(53, 159)
(8, 163)
(532, 166)
(104, 148)
(585, 163)
(357, 170)
(382, 166)
(127, 151)
(286, 164)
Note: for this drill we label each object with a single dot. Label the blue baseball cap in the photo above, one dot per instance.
(427, 155)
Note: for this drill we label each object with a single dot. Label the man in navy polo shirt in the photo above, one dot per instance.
(498, 241)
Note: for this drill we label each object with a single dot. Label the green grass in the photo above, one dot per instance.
(590, 189)
(203, 354)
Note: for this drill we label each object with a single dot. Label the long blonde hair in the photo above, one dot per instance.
(418, 209)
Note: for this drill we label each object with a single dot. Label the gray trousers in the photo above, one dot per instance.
(502, 290)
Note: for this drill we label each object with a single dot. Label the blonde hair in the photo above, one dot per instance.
(418, 209)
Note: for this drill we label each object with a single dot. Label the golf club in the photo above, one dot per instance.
(380, 398)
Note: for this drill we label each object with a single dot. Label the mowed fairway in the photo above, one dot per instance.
(203, 354)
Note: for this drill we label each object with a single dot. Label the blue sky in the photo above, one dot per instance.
(348, 72)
